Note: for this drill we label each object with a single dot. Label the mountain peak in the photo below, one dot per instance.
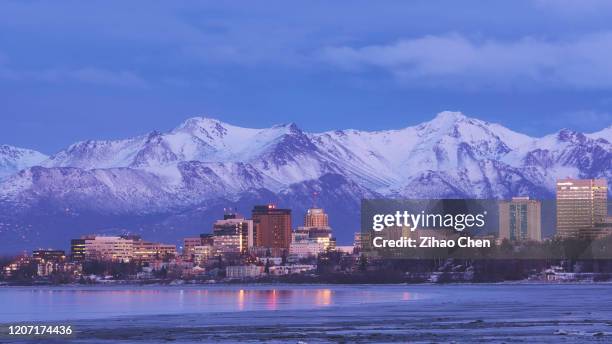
(13, 159)
(450, 116)
(201, 122)
(291, 128)
(447, 122)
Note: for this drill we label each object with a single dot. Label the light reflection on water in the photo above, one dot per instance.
(29, 304)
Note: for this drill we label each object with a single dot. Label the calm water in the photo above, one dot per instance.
(69, 303)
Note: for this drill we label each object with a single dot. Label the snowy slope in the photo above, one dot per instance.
(451, 155)
(13, 159)
(605, 134)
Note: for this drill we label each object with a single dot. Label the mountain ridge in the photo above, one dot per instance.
(205, 163)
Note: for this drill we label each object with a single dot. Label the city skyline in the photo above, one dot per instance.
(581, 209)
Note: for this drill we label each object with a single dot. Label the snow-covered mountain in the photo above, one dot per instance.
(177, 181)
(13, 159)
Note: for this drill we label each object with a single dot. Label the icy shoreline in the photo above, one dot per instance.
(547, 313)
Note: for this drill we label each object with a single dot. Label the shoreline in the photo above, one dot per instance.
(284, 283)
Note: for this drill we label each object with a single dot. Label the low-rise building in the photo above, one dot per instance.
(243, 271)
(119, 249)
(291, 269)
(311, 241)
(146, 251)
(108, 248)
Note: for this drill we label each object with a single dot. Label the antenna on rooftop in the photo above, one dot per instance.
(314, 199)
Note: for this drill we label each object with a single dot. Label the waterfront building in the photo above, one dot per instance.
(49, 255)
(243, 271)
(279, 270)
(45, 268)
(520, 219)
(272, 227)
(582, 204)
(123, 248)
(20, 262)
(270, 260)
(48, 260)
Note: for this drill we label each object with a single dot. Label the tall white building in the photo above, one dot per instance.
(314, 238)
(233, 234)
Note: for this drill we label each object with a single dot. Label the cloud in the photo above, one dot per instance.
(579, 62)
(105, 77)
(88, 75)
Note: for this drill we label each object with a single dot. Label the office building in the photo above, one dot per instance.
(146, 251)
(108, 248)
(207, 239)
(123, 248)
(189, 244)
(316, 217)
(77, 249)
(272, 227)
(581, 206)
(315, 237)
(233, 234)
(520, 219)
(311, 241)
(202, 254)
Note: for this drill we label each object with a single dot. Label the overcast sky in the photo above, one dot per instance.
(75, 70)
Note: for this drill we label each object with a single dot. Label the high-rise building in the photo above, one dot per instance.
(315, 217)
(315, 237)
(520, 219)
(272, 226)
(233, 234)
(582, 204)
